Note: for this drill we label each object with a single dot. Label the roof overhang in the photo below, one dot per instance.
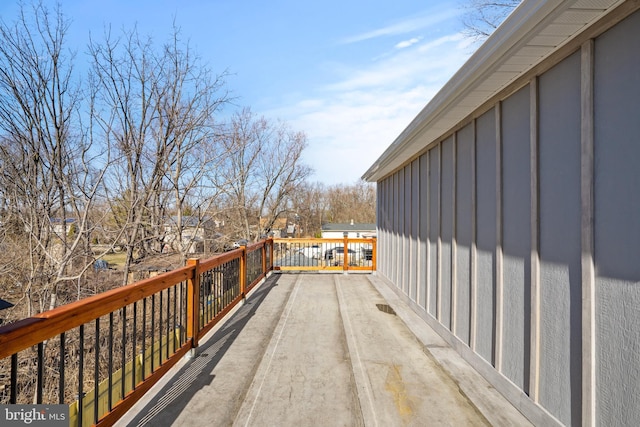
(531, 33)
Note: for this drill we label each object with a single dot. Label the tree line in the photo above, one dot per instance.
(119, 144)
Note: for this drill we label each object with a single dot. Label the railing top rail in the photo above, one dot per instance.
(206, 265)
(324, 240)
(209, 264)
(27, 332)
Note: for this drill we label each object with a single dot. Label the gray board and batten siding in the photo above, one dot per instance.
(516, 234)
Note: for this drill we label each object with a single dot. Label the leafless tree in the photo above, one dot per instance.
(355, 202)
(310, 206)
(186, 102)
(482, 17)
(314, 204)
(262, 170)
(48, 179)
(157, 109)
(122, 78)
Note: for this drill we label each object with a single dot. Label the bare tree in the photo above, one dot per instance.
(186, 100)
(355, 202)
(48, 182)
(310, 206)
(262, 170)
(280, 173)
(157, 108)
(123, 75)
(482, 17)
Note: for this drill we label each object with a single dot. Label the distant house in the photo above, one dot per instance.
(195, 231)
(62, 227)
(353, 230)
(277, 229)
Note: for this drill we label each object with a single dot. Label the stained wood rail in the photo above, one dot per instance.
(34, 331)
(326, 254)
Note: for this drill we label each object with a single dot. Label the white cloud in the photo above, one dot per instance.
(406, 43)
(406, 26)
(349, 123)
(436, 59)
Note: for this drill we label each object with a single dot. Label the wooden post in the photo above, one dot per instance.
(345, 253)
(193, 302)
(374, 254)
(264, 257)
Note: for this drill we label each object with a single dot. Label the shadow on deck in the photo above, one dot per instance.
(321, 349)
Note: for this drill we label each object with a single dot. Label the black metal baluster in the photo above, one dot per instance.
(144, 338)
(61, 369)
(168, 319)
(80, 375)
(225, 282)
(110, 398)
(203, 297)
(221, 291)
(40, 379)
(209, 280)
(160, 332)
(96, 373)
(184, 312)
(225, 278)
(133, 345)
(201, 308)
(215, 291)
(123, 351)
(153, 331)
(175, 323)
(236, 285)
(13, 399)
(183, 321)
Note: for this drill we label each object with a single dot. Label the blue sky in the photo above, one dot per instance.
(350, 74)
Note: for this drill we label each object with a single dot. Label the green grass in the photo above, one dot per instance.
(115, 259)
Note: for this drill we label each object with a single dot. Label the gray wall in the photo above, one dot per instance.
(463, 232)
(486, 220)
(516, 232)
(617, 222)
(434, 227)
(489, 232)
(560, 288)
(446, 231)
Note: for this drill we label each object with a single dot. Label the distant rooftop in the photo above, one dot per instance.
(349, 227)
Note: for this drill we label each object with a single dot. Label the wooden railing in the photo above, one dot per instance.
(325, 254)
(100, 355)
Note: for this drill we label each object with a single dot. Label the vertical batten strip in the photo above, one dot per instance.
(587, 238)
(428, 266)
(473, 278)
(498, 261)
(454, 242)
(439, 246)
(418, 244)
(534, 366)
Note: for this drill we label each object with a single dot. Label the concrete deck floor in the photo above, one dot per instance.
(323, 350)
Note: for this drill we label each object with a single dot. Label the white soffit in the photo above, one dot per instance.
(534, 30)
